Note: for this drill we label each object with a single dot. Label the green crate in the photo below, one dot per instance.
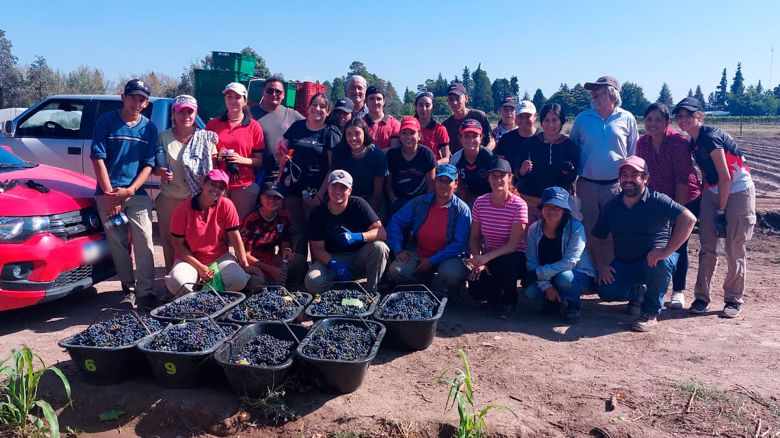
(210, 104)
(236, 62)
(289, 95)
(256, 87)
(215, 80)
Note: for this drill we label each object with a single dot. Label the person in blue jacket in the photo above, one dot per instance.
(556, 257)
(439, 223)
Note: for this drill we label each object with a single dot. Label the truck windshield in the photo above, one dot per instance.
(9, 161)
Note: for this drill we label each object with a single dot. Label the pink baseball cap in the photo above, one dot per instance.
(634, 162)
(218, 175)
(184, 101)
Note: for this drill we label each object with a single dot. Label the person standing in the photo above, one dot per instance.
(434, 134)
(383, 128)
(356, 92)
(511, 146)
(473, 163)
(123, 154)
(728, 207)
(365, 162)
(457, 99)
(410, 167)
(669, 162)
(506, 121)
(341, 114)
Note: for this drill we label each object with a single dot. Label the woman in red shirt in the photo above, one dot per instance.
(434, 134)
(240, 148)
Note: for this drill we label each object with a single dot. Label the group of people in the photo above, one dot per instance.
(458, 205)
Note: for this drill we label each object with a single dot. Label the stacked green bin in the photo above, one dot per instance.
(235, 62)
(208, 90)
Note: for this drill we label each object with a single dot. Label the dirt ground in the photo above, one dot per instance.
(693, 376)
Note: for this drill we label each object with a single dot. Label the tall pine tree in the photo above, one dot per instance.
(665, 96)
(468, 83)
(699, 95)
(738, 83)
(539, 100)
(482, 96)
(721, 96)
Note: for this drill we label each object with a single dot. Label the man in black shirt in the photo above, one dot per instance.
(457, 98)
(647, 227)
(347, 238)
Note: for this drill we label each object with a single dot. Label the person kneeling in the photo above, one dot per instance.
(201, 228)
(640, 221)
(347, 238)
(556, 256)
(439, 226)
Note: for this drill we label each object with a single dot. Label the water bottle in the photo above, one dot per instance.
(117, 220)
(285, 265)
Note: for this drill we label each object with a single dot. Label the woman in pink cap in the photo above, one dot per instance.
(184, 155)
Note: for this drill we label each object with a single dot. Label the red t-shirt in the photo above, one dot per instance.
(383, 131)
(244, 140)
(434, 135)
(432, 235)
(205, 231)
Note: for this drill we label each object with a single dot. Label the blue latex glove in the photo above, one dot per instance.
(349, 238)
(340, 269)
(720, 223)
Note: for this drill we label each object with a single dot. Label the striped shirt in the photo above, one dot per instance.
(495, 223)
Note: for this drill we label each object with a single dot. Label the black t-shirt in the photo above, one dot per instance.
(474, 176)
(709, 139)
(453, 128)
(408, 177)
(551, 162)
(549, 249)
(309, 164)
(511, 146)
(363, 171)
(356, 218)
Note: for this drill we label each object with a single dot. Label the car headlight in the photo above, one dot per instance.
(19, 229)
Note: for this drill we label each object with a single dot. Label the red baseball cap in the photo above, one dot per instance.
(470, 125)
(218, 175)
(634, 162)
(410, 122)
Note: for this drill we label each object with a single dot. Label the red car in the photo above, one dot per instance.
(52, 243)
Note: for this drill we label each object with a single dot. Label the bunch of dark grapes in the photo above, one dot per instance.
(329, 303)
(229, 329)
(122, 329)
(408, 306)
(340, 342)
(189, 337)
(264, 351)
(197, 305)
(269, 304)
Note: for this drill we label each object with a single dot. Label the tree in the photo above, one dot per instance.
(633, 98)
(10, 76)
(581, 98)
(186, 82)
(539, 100)
(481, 97)
(738, 83)
(759, 88)
(261, 69)
(393, 104)
(564, 98)
(514, 87)
(699, 95)
(690, 92)
(722, 94)
(753, 102)
(338, 89)
(85, 80)
(467, 81)
(665, 96)
(41, 81)
(500, 89)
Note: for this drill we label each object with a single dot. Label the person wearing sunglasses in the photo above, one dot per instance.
(275, 119)
(434, 134)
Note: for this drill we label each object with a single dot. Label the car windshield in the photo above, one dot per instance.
(9, 161)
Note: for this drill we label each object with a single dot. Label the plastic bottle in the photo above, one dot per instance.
(117, 220)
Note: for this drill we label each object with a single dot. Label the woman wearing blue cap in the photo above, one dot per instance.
(556, 257)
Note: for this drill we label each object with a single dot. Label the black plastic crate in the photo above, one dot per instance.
(345, 285)
(232, 299)
(295, 317)
(411, 334)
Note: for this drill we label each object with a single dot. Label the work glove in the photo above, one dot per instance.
(341, 270)
(349, 238)
(720, 223)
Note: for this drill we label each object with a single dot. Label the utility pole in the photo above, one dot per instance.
(771, 64)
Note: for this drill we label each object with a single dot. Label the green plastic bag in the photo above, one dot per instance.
(216, 280)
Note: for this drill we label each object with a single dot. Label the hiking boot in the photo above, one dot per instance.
(677, 301)
(637, 295)
(572, 316)
(128, 302)
(731, 310)
(645, 323)
(699, 306)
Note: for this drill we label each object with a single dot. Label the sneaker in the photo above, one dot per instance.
(128, 302)
(677, 301)
(645, 323)
(731, 310)
(634, 308)
(572, 316)
(699, 306)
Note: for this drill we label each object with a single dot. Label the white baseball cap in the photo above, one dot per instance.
(237, 88)
(525, 106)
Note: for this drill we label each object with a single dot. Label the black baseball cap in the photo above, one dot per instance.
(137, 86)
(270, 189)
(344, 104)
(509, 101)
(692, 104)
(500, 165)
(457, 88)
(374, 90)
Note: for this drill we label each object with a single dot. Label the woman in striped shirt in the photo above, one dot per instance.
(496, 242)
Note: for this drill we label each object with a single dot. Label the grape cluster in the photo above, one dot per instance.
(409, 306)
(340, 342)
(329, 303)
(197, 305)
(269, 304)
(189, 337)
(229, 329)
(122, 329)
(263, 351)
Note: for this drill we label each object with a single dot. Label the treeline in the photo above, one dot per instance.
(22, 86)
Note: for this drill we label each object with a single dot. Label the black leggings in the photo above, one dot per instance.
(500, 287)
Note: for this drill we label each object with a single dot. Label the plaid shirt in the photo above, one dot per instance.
(671, 165)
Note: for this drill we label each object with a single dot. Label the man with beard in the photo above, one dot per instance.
(647, 228)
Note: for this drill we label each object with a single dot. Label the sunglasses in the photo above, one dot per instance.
(273, 91)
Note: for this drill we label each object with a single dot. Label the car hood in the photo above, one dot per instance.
(69, 191)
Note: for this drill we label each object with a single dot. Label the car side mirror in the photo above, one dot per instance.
(8, 128)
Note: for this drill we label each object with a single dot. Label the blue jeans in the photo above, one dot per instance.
(570, 285)
(681, 272)
(630, 275)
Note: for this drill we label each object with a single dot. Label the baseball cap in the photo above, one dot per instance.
(218, 175)
(184, 101)
(692, 104)
(457, 88)
(604, 80)
(270, 189)
(447, 170)
(410, 122)
(374, 90)
(237, 88)
(345, 104)
(555, 196)
(137, 86)
(500, 165)
(340, 176)
(509, 101)
(470, 125)
(634, 162)
(525, 106)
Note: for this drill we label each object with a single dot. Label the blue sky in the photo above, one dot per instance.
(543, 43)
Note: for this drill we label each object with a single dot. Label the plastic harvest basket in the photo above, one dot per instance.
(301, 304)
(352, 285)
(410, 334)
(235, 299)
